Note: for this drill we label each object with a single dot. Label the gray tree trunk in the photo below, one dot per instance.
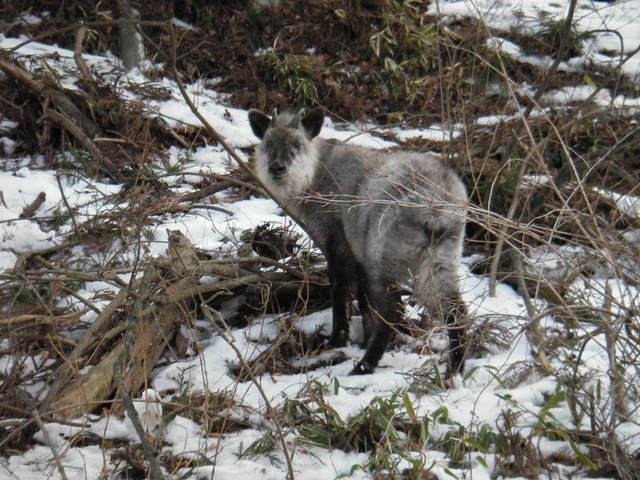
(131, 46)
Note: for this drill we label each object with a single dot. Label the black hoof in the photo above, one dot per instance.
(362, 368)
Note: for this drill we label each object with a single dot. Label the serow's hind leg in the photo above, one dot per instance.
(454, 313)
(368, 317)
(386, 310)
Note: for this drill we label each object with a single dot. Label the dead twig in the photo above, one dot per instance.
(26, 427)
(134, 362)
(77, 132)
(223, 184)
(54, 450)
(180, 293)
(66, 202)
(101, 23)
(77, 57)
(43, 319)
(80, 298)
(299, 274)
(25, 256)
(30, 209)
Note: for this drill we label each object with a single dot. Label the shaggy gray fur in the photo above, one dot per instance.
(384, 220)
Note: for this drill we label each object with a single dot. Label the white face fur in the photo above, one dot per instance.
(295, 153)
(287, 158)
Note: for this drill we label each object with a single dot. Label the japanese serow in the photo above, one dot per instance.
(384, 221)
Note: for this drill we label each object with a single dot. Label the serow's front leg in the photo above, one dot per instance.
(386, 310)
(456, 320)
(341, 297)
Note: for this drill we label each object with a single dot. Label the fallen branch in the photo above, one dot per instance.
(77, 58)
(101, 324)
(90, 388)
(43, 319)
(58, 99)
(77, 132)
(161, 297)
(31, 209)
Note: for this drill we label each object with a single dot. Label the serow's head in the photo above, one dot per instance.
(287, 153)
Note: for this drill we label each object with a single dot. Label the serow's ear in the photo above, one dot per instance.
(259, 122)
(312, 122)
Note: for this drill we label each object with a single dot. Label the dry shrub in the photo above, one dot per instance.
(382, 59)
(126, 136)
(583, 145)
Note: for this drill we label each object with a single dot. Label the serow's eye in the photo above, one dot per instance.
(296, 145)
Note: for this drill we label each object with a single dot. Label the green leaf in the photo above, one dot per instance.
(482, 461)
(441, 415)
(582, 458)
(449, 472)
(408, 406)
(469, 374)
(476, 445)
(588, 81)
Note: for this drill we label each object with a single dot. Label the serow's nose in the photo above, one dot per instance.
(277, 170)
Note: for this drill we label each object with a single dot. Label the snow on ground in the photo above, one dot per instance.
(613, 37)
(480, 398)
(603, 19)
(21, 187)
